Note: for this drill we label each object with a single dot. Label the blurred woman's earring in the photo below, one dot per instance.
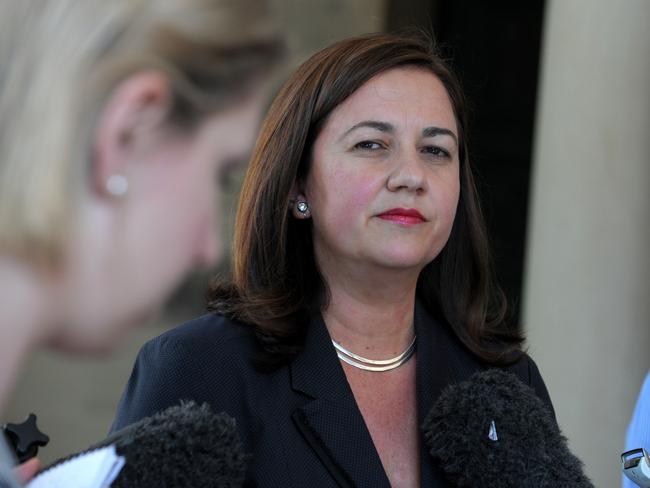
(303, 208)
(117, 185)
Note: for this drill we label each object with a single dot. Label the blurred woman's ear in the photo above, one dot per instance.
(135, 111)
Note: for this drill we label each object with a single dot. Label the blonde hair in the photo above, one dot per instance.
(60, 61)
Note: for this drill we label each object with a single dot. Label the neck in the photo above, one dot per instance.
(371, 311)
(23, 319)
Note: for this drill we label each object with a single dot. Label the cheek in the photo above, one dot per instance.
(187, 216)
(450, 201)
(344, 198)
(362, 193)
(447, 205)
(199, 212)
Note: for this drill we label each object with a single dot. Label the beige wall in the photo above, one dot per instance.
(313, 24)
(587, 297)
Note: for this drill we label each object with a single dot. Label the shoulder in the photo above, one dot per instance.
(638, 432)
(528, 372)
(197, 355)
(213, 336)
(644, 396)
(526, 369)
(209, 330)
(642, 409)
(205, 360)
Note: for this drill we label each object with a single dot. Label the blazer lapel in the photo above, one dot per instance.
(441, 361)
(331, 422)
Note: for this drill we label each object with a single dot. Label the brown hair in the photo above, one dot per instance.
(276, 283)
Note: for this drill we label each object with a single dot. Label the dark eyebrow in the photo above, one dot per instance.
(438, 131)
(373, 124)
(386, 127)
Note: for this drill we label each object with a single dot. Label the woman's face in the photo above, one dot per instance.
(384, 184)
(133, 250)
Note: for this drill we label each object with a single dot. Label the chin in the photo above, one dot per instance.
(85, 346)
(404, 261)
(100, 339)
(417, 258)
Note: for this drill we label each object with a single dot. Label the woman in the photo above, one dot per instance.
(116, 119)
(361, 282)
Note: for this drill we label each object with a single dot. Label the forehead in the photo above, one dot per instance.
(407, 97)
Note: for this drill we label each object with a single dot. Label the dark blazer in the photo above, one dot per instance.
(301, 422)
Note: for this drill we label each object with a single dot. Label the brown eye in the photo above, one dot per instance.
(436, 151)
(368, 145)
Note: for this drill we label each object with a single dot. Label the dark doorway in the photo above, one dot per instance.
(495, 49)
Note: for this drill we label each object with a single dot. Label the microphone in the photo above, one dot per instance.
(636, 466)
(184, 446)
(493, 430)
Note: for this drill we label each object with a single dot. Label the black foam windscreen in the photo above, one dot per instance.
(493, 430)
(184, 446)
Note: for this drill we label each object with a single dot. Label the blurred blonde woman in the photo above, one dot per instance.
(116, 120)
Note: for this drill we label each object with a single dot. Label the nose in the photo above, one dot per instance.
(408, 174)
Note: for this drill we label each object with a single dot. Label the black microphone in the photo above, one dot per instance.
(493, 430)
(184, 446)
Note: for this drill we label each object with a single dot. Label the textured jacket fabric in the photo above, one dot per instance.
(300, 423)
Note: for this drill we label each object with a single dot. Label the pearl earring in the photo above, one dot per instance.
(117, 185)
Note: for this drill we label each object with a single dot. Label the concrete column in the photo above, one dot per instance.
(587, 286)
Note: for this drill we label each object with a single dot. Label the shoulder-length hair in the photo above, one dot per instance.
(61, 60)
(276, 283)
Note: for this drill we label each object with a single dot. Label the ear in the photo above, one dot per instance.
(135, 111)
(296, 196)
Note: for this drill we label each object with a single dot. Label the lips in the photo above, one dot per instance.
(403, 216)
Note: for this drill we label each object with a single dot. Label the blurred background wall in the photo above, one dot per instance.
(560, 139)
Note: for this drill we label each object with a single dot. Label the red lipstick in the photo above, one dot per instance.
(403, 216)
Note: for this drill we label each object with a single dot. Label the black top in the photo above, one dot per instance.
(301, 422)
